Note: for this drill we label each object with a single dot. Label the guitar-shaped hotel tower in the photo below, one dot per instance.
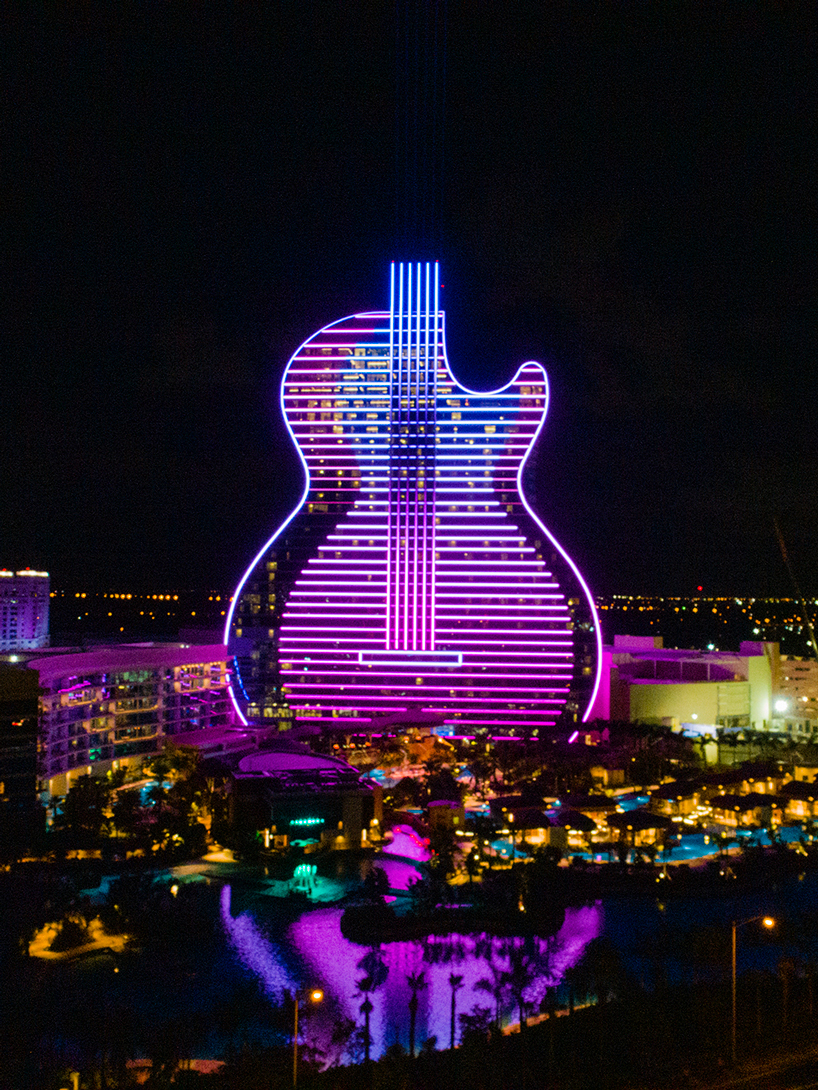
(413, 576)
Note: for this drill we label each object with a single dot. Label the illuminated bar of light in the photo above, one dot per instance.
(320, 381)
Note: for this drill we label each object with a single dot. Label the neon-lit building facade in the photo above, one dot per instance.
(24, 606)
(413, 576)
(113, 707)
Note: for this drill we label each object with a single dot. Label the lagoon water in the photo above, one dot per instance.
(310, 951)
(313, 952)
(286, 943)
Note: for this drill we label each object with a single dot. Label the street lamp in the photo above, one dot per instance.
(768, 922)
(314, 996)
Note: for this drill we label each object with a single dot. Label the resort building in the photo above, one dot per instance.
(694, 691)
(294, 797)
(24, 601)
(18, 750)
(795, 696)
(114, 706)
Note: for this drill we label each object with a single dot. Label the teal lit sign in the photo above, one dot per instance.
(307, 821)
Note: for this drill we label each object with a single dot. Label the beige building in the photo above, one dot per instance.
(795, 695)
(687, 689)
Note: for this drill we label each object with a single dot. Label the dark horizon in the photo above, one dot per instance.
(627, 197)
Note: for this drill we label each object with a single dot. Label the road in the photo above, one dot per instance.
(784, 1071)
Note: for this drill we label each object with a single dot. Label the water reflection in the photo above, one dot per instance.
(488, 966)
(408, 844)
(402, 858)
(254, 950)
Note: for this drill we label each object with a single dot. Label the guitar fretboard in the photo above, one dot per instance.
(415, 350)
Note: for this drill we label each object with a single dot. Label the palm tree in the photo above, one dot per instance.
(376, 972)
(472, 864)
(366, 1010)
(417, 982)
(455, 983)
(496, 987)
(484, 831)
(519, 977)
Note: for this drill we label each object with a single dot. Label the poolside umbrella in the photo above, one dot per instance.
(637, 821)
(573, 819)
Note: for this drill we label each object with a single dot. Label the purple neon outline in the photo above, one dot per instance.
(483, 642)
(388, 618)
(439, 318)
(426, 544)
(299, 505)
(486, 442)
(405, 527)
(399, 406)
(415, 528)
(526, 504)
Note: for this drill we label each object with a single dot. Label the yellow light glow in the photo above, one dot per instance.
(768, 921)
(316, 995)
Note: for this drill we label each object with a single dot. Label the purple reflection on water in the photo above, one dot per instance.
(400, 859)
(407, 843)
(254, 950)
(400, 872)
(334, 960)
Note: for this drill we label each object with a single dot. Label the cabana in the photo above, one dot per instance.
(578, 826)
(643, 826)
(754, 808)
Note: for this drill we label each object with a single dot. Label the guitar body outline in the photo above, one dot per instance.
(413, 579)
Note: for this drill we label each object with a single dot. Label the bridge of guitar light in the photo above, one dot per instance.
(410, 658)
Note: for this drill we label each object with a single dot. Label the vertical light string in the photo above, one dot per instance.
(410, 469)
(395, 486)
(389, 433)
(404, 473)
(424, 466)
(415, 330)
(413, 434)
(434, 463)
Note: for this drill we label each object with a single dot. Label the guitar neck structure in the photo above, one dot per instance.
(416, 356)
(413, 581)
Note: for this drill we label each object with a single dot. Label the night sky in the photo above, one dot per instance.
(628, 196)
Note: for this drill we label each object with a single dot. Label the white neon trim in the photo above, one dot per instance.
(556, 544)
(410, 659)
(290, 517)
(369, 382)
